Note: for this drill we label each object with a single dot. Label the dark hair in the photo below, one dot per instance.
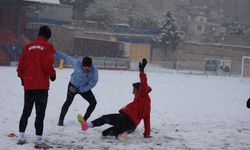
(136, 85)
(45, 32)
(248, 103)
(86, 61)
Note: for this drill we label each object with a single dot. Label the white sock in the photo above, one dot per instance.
(90, 124)
(21, 136)
(39, 139)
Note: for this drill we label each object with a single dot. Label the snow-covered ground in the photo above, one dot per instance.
(188, 112)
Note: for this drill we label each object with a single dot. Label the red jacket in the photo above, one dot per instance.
(35, 65)
(140, 108)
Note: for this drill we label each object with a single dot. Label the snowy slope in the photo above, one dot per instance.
(188, 112)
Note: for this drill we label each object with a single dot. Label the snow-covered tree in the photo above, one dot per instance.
(247, 32)
(236, 29)
(170, 34)
(102, 11)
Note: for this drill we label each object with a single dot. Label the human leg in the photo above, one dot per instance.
(121, 122)
(127, 124)
(66, 105)
(27, 109)
(41, 97)
(112, 119)
(112, 131)
(90, 98)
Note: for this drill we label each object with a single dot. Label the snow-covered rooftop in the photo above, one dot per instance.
(46, 1)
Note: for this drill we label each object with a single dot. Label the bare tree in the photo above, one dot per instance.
(102, 11)
(142, 16)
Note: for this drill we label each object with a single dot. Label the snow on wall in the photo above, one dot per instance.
(46, 1)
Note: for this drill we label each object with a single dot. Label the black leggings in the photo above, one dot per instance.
(120, 123)
(39, 97)
(88, 96)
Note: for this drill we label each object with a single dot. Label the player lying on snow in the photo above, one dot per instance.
(129, 116)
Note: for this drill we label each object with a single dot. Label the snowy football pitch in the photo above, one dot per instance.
(187, 112)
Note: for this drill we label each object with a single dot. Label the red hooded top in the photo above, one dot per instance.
(35, 65)
(140, 108)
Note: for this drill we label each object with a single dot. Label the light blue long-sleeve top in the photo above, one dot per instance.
(84, 81)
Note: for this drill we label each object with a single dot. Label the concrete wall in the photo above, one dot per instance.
(229, 39)
(98, 48)
(195, 54)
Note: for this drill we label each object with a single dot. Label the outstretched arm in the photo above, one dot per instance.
(66, 57)
(143, 90)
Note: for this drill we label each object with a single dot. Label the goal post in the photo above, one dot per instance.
(245, 67)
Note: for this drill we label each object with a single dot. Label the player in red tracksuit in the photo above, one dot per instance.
(129, 116)
(35, 68)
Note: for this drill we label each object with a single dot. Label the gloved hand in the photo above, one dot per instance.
(142, 64)
(52, 78)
